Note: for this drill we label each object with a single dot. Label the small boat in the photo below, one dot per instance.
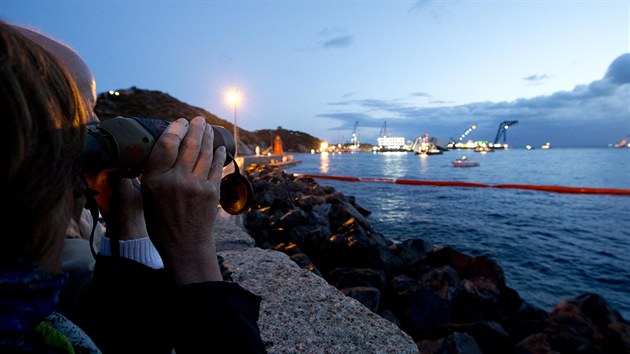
(464, 162)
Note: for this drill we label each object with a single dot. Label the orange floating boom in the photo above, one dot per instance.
(555, 189)
(441, 183)
(564, 189)
(340, 178)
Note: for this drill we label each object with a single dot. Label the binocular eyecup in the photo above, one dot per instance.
(125, 143)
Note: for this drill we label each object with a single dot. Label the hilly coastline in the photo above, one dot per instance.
(135, 102)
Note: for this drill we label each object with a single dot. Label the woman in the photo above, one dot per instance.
(131, 307)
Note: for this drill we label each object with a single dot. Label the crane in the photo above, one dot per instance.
(383, 131)
(354, 141)
(502, 131)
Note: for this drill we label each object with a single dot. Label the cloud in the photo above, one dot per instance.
(422, 4)
(535, 79)
(619, 71)
(338, 42)
(335, 38)
(590, 115)
(347, 119)
(434, 8)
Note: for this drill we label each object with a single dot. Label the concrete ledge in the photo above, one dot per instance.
(300, 311)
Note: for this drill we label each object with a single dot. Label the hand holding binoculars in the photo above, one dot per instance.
(125, 143)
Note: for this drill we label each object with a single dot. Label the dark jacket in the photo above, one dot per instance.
(131, 308)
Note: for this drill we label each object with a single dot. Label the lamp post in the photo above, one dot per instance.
(233, 98)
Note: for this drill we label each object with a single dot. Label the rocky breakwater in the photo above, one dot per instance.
(447, 301)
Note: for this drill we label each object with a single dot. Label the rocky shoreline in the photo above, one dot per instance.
(446, 301)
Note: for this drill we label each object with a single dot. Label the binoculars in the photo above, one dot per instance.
(125, 143)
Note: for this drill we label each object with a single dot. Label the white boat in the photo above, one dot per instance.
(464, 162)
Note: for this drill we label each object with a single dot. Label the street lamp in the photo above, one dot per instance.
(234, 98)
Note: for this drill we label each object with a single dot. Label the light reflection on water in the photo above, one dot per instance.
(395, 164)
(324, 163)
(424, 164)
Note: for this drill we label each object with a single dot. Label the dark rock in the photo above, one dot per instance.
(444, 281)
(466, 307)
(490, 336)
(412, 251)
(570, 331)
(427, 313)
(353, 277)
(456, 343)
(535, 344)
(391, 317)
(617, 338)
(597, 309)
(448, 256)
(370, 297)
(521, 328)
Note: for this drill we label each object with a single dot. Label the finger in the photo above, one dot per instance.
(191, 144)
(206, 155)
(216, 171)
(166, 149)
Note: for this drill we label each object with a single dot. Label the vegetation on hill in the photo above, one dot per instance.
(135, 102)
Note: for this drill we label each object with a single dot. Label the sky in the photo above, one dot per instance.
(561, 69)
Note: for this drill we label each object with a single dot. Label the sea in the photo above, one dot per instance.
(551, 246)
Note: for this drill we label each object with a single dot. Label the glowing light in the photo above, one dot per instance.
(233, 97)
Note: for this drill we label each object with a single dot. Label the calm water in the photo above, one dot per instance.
(552, 246)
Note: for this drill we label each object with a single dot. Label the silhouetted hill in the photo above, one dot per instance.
(135, 102)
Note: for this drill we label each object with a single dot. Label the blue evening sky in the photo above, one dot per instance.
(560, 68)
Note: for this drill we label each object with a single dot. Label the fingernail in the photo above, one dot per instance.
(221, 148)
(182, 120)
